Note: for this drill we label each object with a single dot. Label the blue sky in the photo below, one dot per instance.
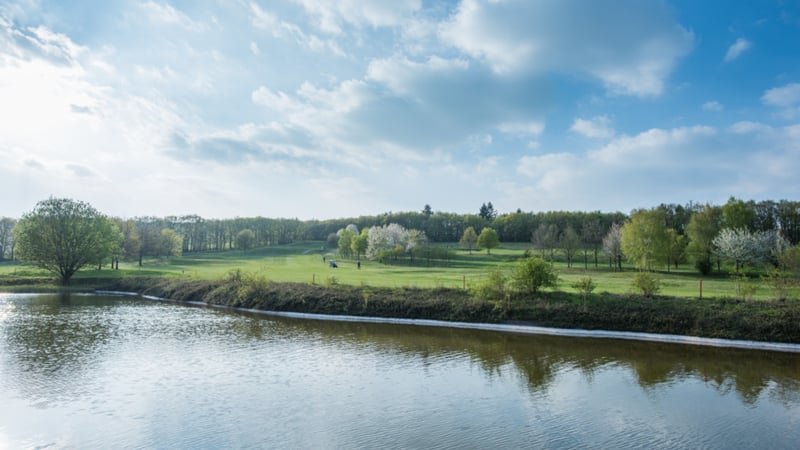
(323, 108)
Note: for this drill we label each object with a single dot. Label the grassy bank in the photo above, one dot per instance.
(296, 278)
(770, 321)
(302, 262)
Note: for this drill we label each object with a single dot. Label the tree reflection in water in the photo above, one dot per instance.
(56, 339)
(539, 359)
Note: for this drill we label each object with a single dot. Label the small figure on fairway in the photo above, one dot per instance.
(359, 265)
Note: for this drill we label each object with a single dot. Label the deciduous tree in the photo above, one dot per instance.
(570, 242)
(545, 238)
(532, 274)
(488, 239)
(359, 243)
(63, 235)
(345, 242)
(245, 239)
(171, 243)
(644, 238)
(702, 229)
(469, 239)
(738, 214)
(612, 245)
(7, 238)
(744, 247)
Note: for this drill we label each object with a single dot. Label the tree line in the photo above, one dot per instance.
(667, 235)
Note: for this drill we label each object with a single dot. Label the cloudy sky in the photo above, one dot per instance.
(326, 108)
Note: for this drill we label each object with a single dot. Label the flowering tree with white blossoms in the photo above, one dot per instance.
(744, 247)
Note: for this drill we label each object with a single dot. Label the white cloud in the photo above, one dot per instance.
(278, 101)
(747, 127)
(785, 96)
(630, 46)
(332, 15)
(736, 49)
(522, 128)
(429, 93)
(403, 76)
(266, 20)
(697, 162)
(652, 147)
(167, 14)
(551, 170)
(598, 127)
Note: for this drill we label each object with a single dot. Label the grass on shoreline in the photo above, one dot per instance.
(295, 278)
(303, 263)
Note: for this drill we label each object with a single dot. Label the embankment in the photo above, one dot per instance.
(764, 321)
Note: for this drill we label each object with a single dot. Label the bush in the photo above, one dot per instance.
(493, 289)
(647, 283)
(704, 266)
(532, 274)
(585, 286)
(745, 288)
(781, 283)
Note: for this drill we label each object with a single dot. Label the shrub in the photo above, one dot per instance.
(585, 286)
(704, 266)
(493, 289)
(745, 288)
(532, 274)
(646, 283)
(781, 283)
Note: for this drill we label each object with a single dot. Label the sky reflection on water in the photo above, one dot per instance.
(162, 375)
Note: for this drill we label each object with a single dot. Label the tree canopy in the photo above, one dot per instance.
(645, 238)
(469, 239)
(488, 239)
(63, 235)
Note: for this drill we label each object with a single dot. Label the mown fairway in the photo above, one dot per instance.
(303, 262)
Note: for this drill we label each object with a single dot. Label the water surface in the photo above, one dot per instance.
(98, 372)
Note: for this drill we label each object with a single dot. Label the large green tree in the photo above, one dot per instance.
(702, 229)
(644, 238)
(245, 239)
(345, 243)
(63, 235)
(738, 214)
(488, 239)
(359, 243)
(171, 243)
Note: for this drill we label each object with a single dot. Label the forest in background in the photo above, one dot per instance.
(555, 230)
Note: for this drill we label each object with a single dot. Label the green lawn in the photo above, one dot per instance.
(303, 262)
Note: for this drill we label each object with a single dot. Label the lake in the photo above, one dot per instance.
(88, 371)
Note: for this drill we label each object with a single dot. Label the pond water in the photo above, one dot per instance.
(80, 371)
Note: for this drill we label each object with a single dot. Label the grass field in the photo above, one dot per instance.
(303, 262)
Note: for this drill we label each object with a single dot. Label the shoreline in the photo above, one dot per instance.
(499, 327)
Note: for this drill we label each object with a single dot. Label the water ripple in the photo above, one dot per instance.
(94, 372)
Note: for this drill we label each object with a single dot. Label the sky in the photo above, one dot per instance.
(317, 109)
